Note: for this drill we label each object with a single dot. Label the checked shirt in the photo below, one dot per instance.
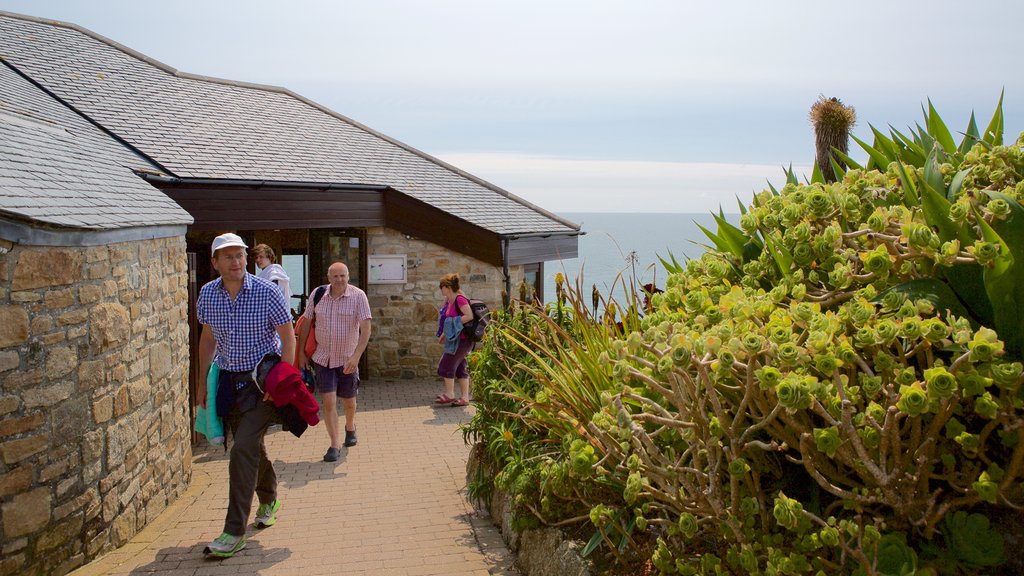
(245, 329)
(337, 325)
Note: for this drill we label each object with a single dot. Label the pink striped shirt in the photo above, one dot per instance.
(337, 325)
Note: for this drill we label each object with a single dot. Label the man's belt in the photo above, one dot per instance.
(239, 379)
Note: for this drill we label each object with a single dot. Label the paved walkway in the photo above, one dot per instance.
(395, 504)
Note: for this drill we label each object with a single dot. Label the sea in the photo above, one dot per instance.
(620, 247)
(626, 243)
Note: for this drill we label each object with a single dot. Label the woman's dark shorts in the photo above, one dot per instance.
(454, 365)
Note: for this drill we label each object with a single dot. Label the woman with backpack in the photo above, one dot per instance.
(454, 314)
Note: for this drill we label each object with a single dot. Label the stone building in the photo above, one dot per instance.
(115, 173)
(93, 338)
(316, 186)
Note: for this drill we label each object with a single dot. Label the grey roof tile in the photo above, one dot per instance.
(207, 128)
(59, 169)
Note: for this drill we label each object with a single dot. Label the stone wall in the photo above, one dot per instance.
(404, 345)
(94, 439)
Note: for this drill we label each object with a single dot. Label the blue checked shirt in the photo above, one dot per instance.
(246, 328)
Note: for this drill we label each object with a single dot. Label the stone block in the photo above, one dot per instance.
(15, 451)
(123, 528)
(15, 481)
(89, 294)
(9, 360)
(26, 297)
(58, 299)
(54, 470)
(9, 404)
(103, 409)
(91, 472)
(60, 533)
(139, 392)
(14, 545)
(22, 379)
(121, 401)
(13, 326)
(53, 339)
(47, 267)
(60, 361)
(71, 419)
(12, 565)
(42, 324)
(68, 486)
(76, 316)
(99, 270)
(90, 375)
(47, 396)
(26, 513)
(109, 326)
(9, 426)
(159, 360)
(75, 561)
(92, 445)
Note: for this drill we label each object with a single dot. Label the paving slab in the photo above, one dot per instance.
(394, 504)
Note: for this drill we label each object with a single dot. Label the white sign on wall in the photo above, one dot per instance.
(387, 269)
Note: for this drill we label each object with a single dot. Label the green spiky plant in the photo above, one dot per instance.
(811, 396)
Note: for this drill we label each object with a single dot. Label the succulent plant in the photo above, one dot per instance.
(819, 392)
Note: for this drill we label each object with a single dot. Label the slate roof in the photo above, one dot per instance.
(58, 169)
(200, 127)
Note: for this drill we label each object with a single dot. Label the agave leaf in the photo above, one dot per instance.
(816, 176)
(925, 139)
(935, 208)
(933, 174)
(971, 136)
(735, 236)
(968, 283)
(933, 290)
(908, 185)
(837, 167)
(743, 207)
(1003, 282)
(772, 188)
(877, 158)
(672, 266)
(885, 144)
(1004, 279)
(791, 176)
(956, 184)
(849, 161)
(723, 243)
(994, 133)
(783, 259)
(913, 153)
(937, 128)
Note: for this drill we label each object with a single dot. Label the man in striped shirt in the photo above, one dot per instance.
(342, 319)
(243, 318)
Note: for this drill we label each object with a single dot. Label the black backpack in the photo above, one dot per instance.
(475, 329)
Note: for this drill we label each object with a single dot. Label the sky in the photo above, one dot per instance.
(596, 105)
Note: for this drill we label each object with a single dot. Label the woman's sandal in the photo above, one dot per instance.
(460, 402)
(444, 399)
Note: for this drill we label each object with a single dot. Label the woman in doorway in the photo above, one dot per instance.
(454, 313)
(270, 270)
